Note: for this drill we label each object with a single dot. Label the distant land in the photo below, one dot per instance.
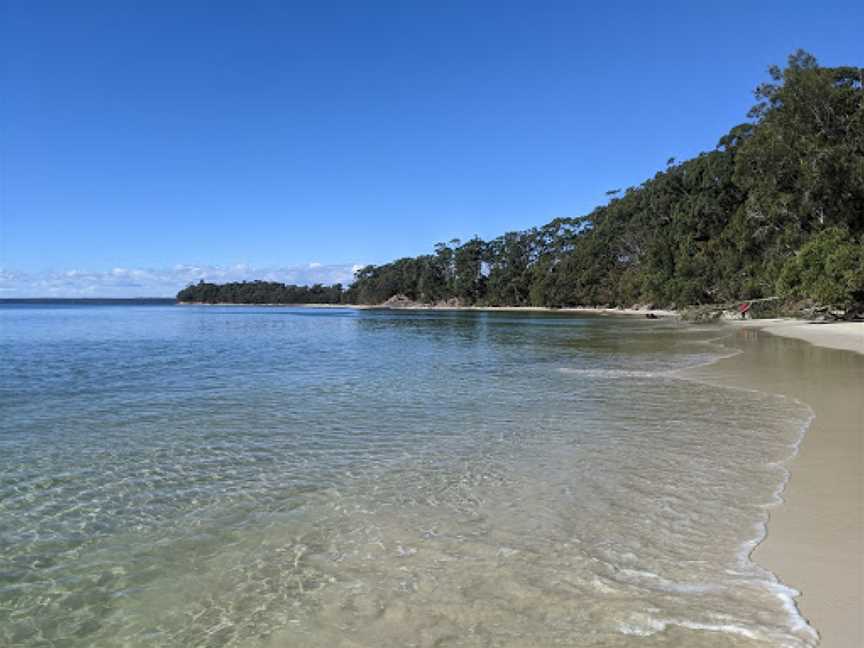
(776, 209)
(90, 301)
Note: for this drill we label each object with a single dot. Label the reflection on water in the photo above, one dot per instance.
(288, 477)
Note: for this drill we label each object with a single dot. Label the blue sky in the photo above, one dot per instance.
(146, 144)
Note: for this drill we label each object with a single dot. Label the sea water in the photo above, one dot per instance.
(245, 476)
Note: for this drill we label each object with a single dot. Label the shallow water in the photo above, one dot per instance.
(204, 476)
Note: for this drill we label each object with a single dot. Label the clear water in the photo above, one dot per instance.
(204, 476)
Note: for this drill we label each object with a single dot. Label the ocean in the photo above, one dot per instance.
(276, 476)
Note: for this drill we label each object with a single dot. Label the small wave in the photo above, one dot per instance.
(645, 626)
(655, 581)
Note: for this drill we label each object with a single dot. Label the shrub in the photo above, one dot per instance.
(829, 269)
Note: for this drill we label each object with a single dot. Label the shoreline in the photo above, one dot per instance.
(814, 535)
(843, 336)
(659, 312)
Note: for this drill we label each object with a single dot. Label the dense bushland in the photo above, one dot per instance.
(260, 292)
(777, 208)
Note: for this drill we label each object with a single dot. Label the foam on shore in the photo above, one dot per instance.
(813, 540)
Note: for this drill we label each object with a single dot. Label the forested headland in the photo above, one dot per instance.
(777, 208)
(261, 292)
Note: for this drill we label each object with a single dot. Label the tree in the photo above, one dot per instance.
(828, 269)
(777, 205)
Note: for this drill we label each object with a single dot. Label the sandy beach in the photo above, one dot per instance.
(815, 538)
(442, 307)
(847, 336)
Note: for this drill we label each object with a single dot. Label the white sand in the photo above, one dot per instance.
(815, 540)
(848, 336)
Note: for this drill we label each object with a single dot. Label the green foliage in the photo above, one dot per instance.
(762, 210)
(828, 269)
(260, 292)
(803, 165)
(718, 227)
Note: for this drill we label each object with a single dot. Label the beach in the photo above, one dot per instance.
(418, 326)
(815, 537)
(368, 477)
(846, 336)
(416, 306)
(335, 477)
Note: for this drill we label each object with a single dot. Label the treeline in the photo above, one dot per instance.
(260, 292)
(776, 208)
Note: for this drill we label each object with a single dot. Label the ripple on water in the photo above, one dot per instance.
(251, 477)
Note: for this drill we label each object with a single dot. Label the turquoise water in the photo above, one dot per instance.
(240, 476)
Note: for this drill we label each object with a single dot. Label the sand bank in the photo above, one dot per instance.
(848, 336)
(815, 539)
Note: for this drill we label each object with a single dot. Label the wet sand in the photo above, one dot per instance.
(815, 538)
(848, 336)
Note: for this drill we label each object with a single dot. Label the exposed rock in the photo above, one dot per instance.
(400, 301)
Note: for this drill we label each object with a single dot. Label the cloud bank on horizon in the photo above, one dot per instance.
(162, 282)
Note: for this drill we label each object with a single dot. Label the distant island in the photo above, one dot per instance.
(86, 301)
(776, 209)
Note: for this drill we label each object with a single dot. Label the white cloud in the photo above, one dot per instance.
(160, 282)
